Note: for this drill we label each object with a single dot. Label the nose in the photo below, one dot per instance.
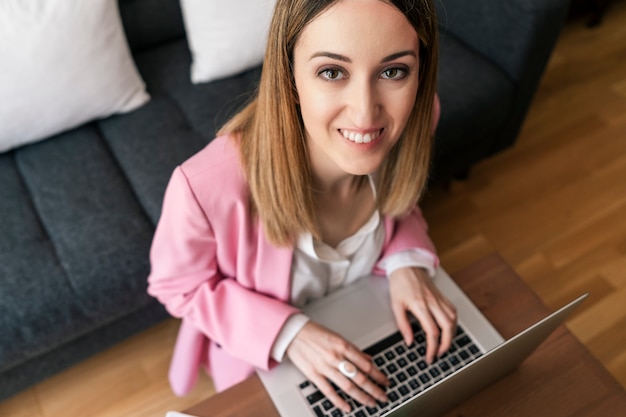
(363, 102)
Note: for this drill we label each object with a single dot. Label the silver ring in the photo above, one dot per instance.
(347, 369)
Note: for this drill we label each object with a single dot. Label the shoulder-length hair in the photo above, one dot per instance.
(271, 133)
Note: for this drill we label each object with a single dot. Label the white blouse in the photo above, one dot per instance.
(319, 269)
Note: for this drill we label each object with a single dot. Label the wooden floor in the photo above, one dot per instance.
(554, 207)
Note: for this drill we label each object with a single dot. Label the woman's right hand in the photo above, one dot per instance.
(317, 352)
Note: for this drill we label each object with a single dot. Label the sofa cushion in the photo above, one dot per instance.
(161, 127)
(206, 107)
(64, 62)
(100, 233)
(76, 241)
(33, 281)
(226, 37)
(180, 119)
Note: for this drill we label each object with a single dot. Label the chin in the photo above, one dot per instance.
(365, 169)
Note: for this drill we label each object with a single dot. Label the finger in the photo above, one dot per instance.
(402, 321)
(333, 396)
(356, 387)
(370, 387)
(423, 315)
(368, 380)
(366, 365)
(446, 319)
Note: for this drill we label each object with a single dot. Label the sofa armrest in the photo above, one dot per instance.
(517, 36)
(513, 34)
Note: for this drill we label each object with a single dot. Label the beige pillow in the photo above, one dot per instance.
(64, 62)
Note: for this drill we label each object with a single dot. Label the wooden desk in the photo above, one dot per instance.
(560, 379)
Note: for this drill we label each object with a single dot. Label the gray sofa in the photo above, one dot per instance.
(78, 210)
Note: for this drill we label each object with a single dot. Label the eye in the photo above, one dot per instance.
(331, 74)
(394, 73)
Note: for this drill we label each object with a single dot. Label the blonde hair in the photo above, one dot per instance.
(271, 133)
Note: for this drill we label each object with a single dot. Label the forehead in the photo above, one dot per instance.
(352, 27)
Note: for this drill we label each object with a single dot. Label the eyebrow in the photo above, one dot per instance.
(343, 58)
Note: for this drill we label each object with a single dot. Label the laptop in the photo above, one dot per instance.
(361, 312)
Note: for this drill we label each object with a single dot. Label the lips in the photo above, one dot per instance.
(358, 137)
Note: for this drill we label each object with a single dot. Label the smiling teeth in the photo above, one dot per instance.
(360, 138)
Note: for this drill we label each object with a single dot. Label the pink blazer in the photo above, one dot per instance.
(213, 267)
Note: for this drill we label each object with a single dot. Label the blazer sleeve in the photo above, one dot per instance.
(186, 279)
(409, 232)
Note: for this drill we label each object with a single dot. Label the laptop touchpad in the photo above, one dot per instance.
(357, 312)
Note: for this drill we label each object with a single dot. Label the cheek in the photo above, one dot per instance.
(402, 107)
(316, 109)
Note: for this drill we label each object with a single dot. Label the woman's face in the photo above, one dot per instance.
(356, 74)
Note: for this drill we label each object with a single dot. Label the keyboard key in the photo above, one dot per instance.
(371, 411)
(327, 405)
(463, 340)
(473, 349)
(400, 349)
(424, 378)
(422, 365)
(434, 372)
(379, 361)
(412, 356)
(315, 397)
(401, 376)
(336, 413)
(360, 413)
(464, 355)
(384, 344)
(402, 363)
(411, 370)
(393, 396)
(392, 368)
(390, 355)
(403, 390)
(318, 411)
(414, 384)
(304, 384)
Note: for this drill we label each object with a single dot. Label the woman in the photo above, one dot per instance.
(314, 184)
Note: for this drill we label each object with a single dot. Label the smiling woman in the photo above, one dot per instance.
(364, 88)
(310, 187)
(278, 169)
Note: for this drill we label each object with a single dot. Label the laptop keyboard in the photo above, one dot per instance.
(406, 369)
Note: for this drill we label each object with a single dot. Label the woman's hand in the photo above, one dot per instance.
(317, 352)
(412, 291)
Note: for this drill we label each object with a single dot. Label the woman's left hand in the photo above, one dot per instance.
(412, 291)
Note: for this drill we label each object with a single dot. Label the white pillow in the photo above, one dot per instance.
(64, 62)
(226, 36)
